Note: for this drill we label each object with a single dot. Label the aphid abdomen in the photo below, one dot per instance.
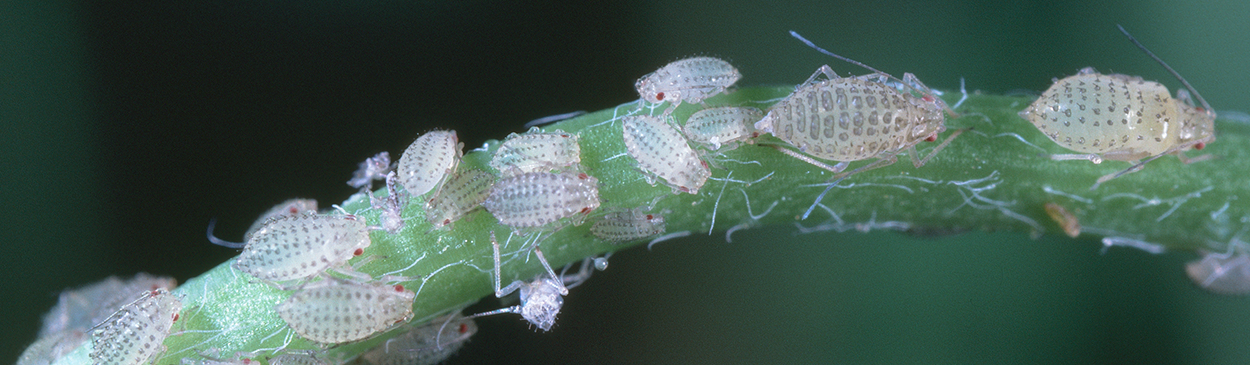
(662, 151)
(1094, 113)
(428, 160)
(536, 152)
(716, 127)
(137, 331)
(689, 80)
(628, 225)
(846, 119)
(292, 248)
(539, 198)
(463, 192)
(337, 311)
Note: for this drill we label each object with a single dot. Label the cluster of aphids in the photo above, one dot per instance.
(539, 186)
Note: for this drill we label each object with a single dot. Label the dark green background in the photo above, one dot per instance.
(127, 126)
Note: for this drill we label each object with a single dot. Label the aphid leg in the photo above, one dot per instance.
(912, 151)
(824, 69)
(835, 168)
(501, 292)
(559, 281)
(1091, 157)
(1137, 166)
(212, 223)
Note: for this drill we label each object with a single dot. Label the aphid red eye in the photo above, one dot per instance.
(294, 210)
(659, 96)
(358, 252)
(464, 328)
(564, 135)
(585, 210)
(931, 138)
(650, 217)
(175, 317)
(583, 176)
(928, 98)
(1200, 145)
(399, 288)
(446, 221)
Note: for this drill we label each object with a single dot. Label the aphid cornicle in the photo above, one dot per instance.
(428, 160)
(628, 225)
(688, 80)
(137, 331)
(536, 152)
(334, 310)
(662, 151)
(1121, 118)
(537, 199)
(461, 194)
(722, 126)
(299, 247)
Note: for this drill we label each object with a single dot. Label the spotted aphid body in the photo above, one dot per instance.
(689, 80)
(1119, 117)
(79, 309)
(536, 152)
(662, 151)
(424, 345)
(628, 225)
(538, 199)
(289, 208)
(334, 311)
(430, 159)
(299, 247)
(461, 194)
(722, 126)
(137, 331)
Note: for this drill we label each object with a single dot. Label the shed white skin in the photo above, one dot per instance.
(1221, 272)
(137, 331)
(688, 80)
(628, 225)
(461, 194)
(722, 126)
(429, 160)
(539, 199)
(299, 247)
(542, 298)
(427, 344)
(662, 151)
(373, 168)
(332, 310)
(391, 207)
(289, 208)
(536, 152)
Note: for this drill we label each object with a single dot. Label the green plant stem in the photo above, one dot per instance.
(990, 178)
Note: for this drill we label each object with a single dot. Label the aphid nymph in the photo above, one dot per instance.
(688, 80)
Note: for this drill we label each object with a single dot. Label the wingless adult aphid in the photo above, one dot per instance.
(430, 159)
(542, 298)
(289, 208)
(536, 152)
(68, 324)
(137, 331)
(1122, 118)
(299, 247)
(688, 80)
(662, 151)
(538, 199)
(849, 119)
(334, 310)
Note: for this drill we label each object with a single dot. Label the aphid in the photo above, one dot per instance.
(135, 333)
(689, 80)
(722, 126)
(1066, 220)
(628, 225)
(289, 208)
(373, 168)
(542, 298)
(1121, 118)
(427, 344)
(461, 194)
(536, 152)
(537, 199)
(334, 310)
(1223, 273)
(662, 151)
(293, 248)
(392, 206)
(856, 118)
(428, 161)
(80, 309)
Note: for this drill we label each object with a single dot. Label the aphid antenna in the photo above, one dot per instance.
(847, 60)
(1169, 68)
(212, 223)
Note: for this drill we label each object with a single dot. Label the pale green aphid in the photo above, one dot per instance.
(628, 225)
(1121, 118)
(688, 80)
(536, 152)
(299, 247)
(538, 199)
(461, 194)
(334, 310)
(137, 331)
(662, 151)
(722, 126)
(428, 161)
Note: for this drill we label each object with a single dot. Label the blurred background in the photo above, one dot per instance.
(127, 126)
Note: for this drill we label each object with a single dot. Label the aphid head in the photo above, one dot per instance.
(1197, 124)
(647, 89)
(932, 120)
